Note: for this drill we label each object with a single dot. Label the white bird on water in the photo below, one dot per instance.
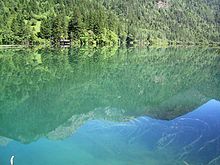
(12, 160)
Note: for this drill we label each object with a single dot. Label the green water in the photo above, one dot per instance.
(49, 94)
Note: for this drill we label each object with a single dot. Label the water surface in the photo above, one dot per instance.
(109, 106)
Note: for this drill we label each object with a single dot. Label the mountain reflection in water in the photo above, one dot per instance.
(40, 90)
(82, 106)
(193, 138)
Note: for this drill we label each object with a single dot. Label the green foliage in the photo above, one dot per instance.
(57, 28)
(75, 25)
(46, 28)
(109, 22)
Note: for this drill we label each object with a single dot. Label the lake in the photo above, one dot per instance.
(110, 106)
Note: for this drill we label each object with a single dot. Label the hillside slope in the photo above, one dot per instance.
(106, 22)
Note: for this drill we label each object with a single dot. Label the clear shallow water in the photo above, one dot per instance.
(83, 106)
(190, 138)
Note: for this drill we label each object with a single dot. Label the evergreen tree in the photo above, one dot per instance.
(56, 29)
(75, 25)
(46, 28)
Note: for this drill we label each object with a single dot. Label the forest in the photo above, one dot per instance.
(109, 22)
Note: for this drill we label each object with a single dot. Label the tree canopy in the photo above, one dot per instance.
(108, 22)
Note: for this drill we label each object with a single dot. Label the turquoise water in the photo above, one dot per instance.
(110, 106)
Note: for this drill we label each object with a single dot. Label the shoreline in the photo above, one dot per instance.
(13, 46)
(217, 45)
